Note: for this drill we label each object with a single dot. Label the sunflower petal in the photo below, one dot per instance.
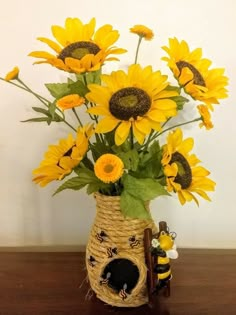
(106, 124)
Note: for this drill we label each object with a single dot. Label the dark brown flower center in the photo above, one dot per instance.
(184, 176)
(197, 77)
(129, 102)
(78, 50)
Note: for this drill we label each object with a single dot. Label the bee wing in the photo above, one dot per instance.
(172, 254)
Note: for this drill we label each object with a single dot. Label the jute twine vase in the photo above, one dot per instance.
(114, 237)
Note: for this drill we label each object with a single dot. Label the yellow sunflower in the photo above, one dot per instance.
(13, 74)
(183, 175)
(70, 101)
(79, 49)
(142, 31)
(206, 117)
(109, 168)
(193, 73)
(137, 99)
(82, 142)
(60, 159)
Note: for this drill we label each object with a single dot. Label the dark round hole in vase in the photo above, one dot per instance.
(121, 273)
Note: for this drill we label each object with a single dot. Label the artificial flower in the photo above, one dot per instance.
(57, 162)
(183, 175)
(193, 73)
(206, 117)
(70, 101)
(82, 142)
(136, 100)
(109, 168)
(13, 74)
(142, 31)
(79, 48)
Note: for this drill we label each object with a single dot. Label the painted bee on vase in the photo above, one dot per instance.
(133, 241)
(101, 236)
(163, 249)
(111, 252)
(91, 261)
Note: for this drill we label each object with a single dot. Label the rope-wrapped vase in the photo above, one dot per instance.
(115, 257)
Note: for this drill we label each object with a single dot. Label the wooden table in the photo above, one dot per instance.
(204, 282)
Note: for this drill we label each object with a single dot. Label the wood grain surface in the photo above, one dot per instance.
(204, 283)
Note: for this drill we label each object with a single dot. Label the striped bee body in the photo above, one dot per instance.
(163, 271)
(123, 294)
(163, 248)
(111, 251)
(134, 242)
(101, 236)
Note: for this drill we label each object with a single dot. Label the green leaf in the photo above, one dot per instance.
(52, 108)
(85, 177)
(130, 159)
(173, 88)
(58, 90)
(37, 119)
(143, 188)
(93, 77)
(180, 101)
(74, 183)
(85, 174)
(96, 186)
(150, 162)
(99, 148)
(133, 207)
(41, 110)
(77, 87)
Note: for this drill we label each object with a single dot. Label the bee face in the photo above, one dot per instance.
(166, 241)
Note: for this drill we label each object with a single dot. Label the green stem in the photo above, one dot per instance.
(26, 89)
(39, 97)
(137, 49)
(175, 126)
(69, 125)
(43, 100)
(76, 115)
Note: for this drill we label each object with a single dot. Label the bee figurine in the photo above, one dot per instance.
(163, 249)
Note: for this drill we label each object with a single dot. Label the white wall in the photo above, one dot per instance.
(28, 214)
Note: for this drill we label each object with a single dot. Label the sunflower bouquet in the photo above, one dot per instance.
(124, 142)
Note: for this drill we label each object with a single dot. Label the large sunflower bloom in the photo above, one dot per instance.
(137, 99)
(60, 159)
(79, 49)
(183, 175)
(193, 73)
